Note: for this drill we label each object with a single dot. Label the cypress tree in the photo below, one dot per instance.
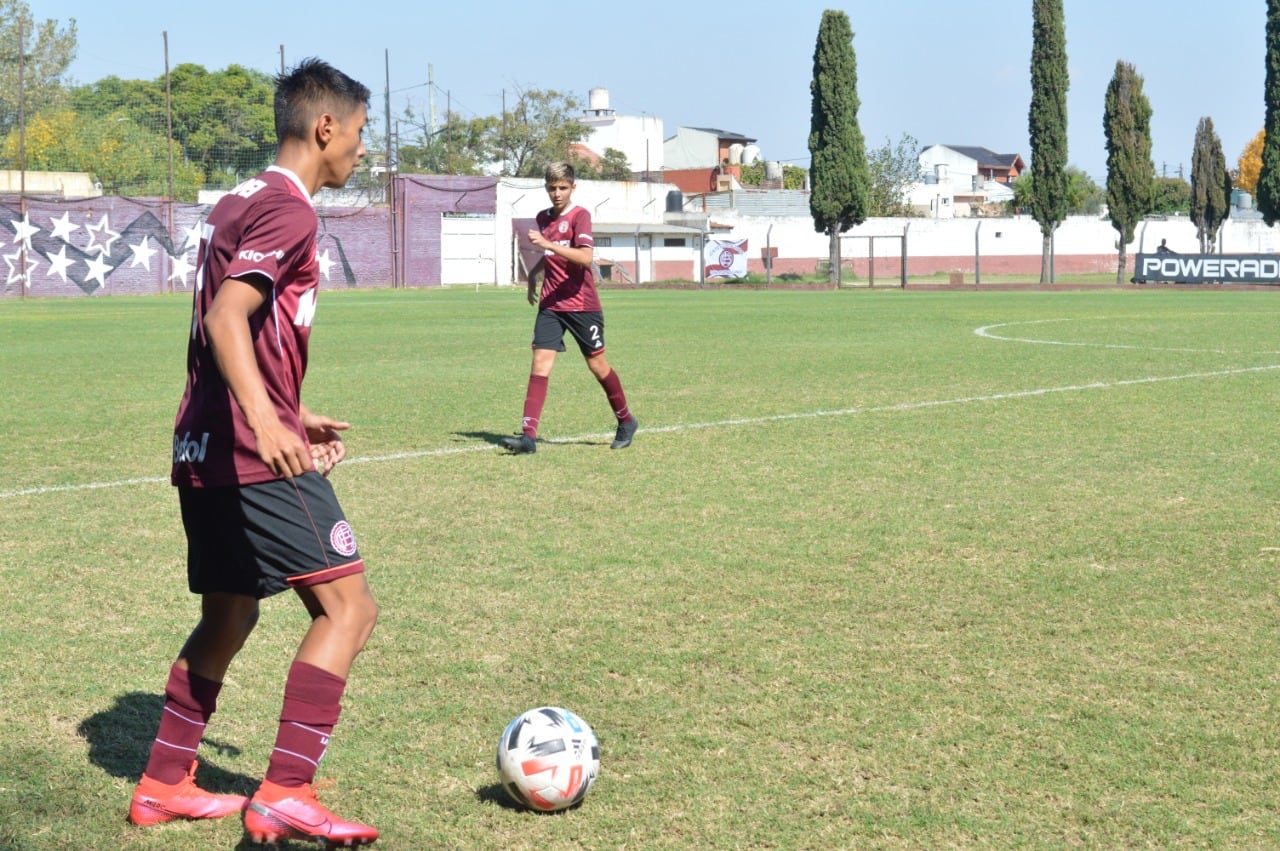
(1131, 175)
(839, 194)
(1268, 190)
(1047, 122)
(1210, 185)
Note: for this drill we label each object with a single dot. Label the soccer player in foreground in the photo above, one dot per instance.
(570, 303)
(250, 464)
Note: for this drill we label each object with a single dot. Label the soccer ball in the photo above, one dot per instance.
(548, 758)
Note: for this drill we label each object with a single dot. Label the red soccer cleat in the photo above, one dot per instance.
(155, 802)
(283, 812)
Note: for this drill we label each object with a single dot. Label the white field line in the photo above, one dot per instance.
(987, 332)
(743, 421)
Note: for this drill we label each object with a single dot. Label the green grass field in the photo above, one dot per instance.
(883, 569)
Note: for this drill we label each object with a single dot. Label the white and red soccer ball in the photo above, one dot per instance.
(548, 758)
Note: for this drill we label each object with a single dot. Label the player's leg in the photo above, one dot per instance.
(548, 340)
(343, 614)
(588, 330)
(167, 789)
(219, 570)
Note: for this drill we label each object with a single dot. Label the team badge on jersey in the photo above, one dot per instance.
(342, 538)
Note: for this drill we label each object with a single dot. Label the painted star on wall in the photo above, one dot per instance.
(62, 226)
(101, 228)
(98, 270)
(20, 264)
(59, 263)
(193, 236)
(181, 268)
(326, 263)
(142, 254)
(24, 230)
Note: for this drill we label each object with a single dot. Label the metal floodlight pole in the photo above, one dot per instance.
(22, 150)
(168, 117)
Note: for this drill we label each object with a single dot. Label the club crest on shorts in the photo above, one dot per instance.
(342, 538)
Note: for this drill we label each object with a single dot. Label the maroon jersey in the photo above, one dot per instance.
(265, 228)
(567, 286)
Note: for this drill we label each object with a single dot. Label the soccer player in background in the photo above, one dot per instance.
(250, 463)
(569, 302)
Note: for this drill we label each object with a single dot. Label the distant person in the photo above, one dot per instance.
(1164, 248)
(250, 462)
(569, 302)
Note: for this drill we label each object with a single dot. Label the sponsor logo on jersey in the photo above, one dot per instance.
(249, 188)
(188, 451)
(306, 309)
(342, 538)
(258, 256)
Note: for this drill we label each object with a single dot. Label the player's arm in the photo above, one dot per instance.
(582, 255)
(227, 324)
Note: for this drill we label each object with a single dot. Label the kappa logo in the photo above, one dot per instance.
(342, 538)
(188, 451)
(258, 256)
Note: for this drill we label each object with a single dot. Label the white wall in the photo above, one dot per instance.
(690, 148)
(637, 136)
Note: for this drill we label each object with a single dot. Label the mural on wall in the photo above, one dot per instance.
(86, 252)
(44, 251)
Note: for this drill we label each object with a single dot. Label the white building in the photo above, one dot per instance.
(964, 180)
(637, 136)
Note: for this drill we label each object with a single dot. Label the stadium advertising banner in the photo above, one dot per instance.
(1206, 268)
(725, 258)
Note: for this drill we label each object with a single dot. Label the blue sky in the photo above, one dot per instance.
(942, 71)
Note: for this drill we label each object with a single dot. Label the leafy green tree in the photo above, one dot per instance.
(893, 170)
(1210, 185)
(613, 165)
(460, 146)
(1170, 195)
(1083, 197)
(123, 156)
(223, 121)
(1268, 190)
(539, 129)
(839, 197)
(1126, 122)
(1047, 122)
(793, 177)
(46, 51)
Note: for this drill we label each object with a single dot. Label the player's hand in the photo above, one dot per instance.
(533, 295)
(284, 453)
(537, 239)
(327, 448)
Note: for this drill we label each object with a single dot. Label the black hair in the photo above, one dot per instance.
(311, 87)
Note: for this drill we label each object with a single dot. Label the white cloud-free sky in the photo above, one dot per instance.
(941, 71)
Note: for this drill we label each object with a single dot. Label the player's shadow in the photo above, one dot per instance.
(120, 739)
(487, 436)
(496, 439)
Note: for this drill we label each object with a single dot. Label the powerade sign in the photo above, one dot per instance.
(1206, 268)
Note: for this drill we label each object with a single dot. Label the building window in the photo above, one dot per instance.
(673, 242)
(604, 242)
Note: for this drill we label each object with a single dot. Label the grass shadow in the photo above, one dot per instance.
(120, 739)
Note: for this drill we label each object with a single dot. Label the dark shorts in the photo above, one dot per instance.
(587, 327)
(259, 540)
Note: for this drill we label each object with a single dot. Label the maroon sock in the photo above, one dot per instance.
(189, 700)
(617, 399)
(534, 398)
(311, 709)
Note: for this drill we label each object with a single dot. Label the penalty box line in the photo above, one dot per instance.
(729, 423)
